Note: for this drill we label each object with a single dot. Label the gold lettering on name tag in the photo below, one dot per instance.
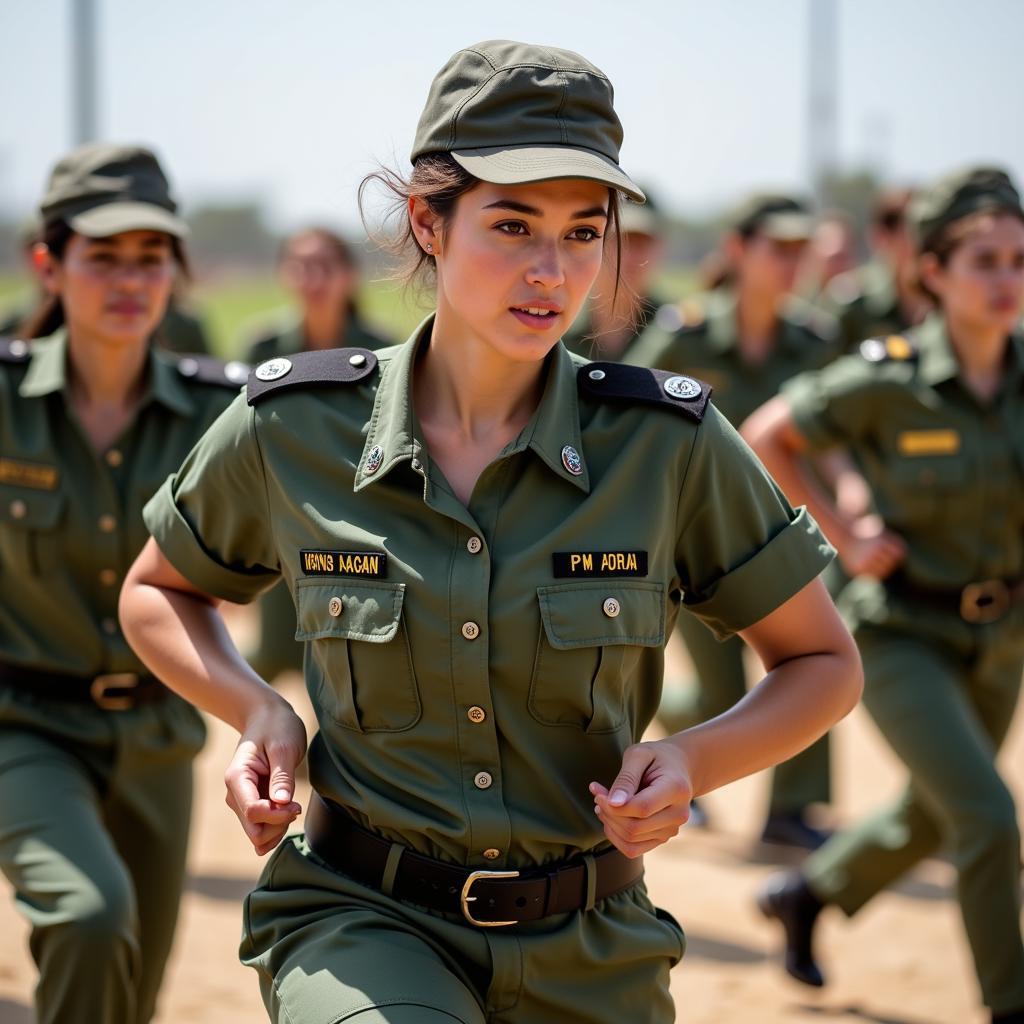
(344, 563)
(28, 474)
(928, 442)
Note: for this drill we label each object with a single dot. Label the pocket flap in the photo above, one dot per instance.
(584, 615)
(30, 509)
(349, 610)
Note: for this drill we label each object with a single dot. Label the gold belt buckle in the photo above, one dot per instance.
(101, 685)
(984, 602)
(465, 899)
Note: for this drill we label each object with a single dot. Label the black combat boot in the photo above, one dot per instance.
(788, 899)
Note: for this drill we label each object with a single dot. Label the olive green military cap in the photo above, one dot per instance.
(783, 217)
(101, 189)
(957, 195)
(514, 113)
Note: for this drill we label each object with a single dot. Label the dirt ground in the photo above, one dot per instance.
(903, 960)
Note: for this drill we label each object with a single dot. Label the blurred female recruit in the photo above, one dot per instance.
(487, 540)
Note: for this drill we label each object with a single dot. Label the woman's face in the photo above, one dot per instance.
(515, 262)
(766, 268)
(982, 283)
(315, 274)
(117, 287)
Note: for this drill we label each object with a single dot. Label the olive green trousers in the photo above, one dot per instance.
(277, 650)
(94, 819)
(945, 713)
(328, 949)
(720, 683)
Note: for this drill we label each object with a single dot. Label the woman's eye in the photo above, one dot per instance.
(584, 235)
(512, 227)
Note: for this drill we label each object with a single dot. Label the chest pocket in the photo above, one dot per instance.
(360, 651)
(28, 530)
(590, 641)
(925, 488)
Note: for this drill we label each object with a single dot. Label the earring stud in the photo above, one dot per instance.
(430, 248)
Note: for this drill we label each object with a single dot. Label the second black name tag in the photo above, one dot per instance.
(368, 564)
(582, 564)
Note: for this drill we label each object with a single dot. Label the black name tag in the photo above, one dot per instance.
(370, 564)
(569, 564)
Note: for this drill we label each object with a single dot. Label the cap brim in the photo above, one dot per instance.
(522, 165)
(113, 218)
(787, 227)
(639, 220)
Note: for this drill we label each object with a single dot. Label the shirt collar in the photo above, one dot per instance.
(723, 334)
(47, 374)
(553, 428)
(936, 361)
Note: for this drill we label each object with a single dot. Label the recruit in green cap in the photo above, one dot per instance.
(782, 217)
(958, 195)
(101, 189)
(513, 113)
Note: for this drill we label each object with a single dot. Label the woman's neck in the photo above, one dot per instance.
(324, 326)
(981, 353)
(757, 320)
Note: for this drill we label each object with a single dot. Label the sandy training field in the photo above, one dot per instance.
(901, 961)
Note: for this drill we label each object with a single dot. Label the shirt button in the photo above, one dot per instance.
(114, 458)
(482, 780)
(108, 577)
(470, 630)
(610, 607)
(18, 509)
(476, 715)
(416, 464)
(492, 854)
(334, 606)
(473, 545)
(109, 626)
(108, 524)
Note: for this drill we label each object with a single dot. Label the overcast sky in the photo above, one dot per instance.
(290, 102)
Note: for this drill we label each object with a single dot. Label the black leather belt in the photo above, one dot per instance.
(114, 691)
(979, 603)
(488, 899)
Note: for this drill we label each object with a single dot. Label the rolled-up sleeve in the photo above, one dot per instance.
(742, 550)
(211, 519)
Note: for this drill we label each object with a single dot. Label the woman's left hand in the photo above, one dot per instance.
(649, 800)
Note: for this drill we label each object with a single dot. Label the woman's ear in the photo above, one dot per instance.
(931, 273)
(47, 268)
(426, 226)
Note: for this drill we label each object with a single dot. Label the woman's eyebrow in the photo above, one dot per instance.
(532, 211)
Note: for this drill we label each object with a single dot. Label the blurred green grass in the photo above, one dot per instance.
(233, 309)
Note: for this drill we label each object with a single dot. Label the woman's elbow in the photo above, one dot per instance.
(848, 681)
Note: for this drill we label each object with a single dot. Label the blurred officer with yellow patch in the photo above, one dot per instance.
(935, 417)
(487, 539)
(746, 340)
(318, 268)
(619, 310)
(95, 753)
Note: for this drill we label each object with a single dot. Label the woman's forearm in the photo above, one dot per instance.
(795, 704)
(183, 641)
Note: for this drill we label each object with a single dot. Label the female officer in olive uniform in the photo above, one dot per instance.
(318, 268)
(746, 340)
(95, 754)
(936, 419)
(486, 539)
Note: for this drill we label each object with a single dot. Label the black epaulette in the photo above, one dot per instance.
(13, 350)
(210, 370)
(894, 349)
(326, 368)
(617, 382)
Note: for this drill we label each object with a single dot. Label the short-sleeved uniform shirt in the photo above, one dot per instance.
(474, 668)
(946, 471)
(71, 519)
(866, 304)
(288, 339)
(700, 337)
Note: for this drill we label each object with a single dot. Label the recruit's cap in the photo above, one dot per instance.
(776, 216)
(101, 189)
(513, 113)
(967, 191)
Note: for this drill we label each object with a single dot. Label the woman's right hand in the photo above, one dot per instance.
(260, 779)
(871, 549)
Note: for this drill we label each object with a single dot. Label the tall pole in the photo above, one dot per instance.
(823, 95)
(83, 74)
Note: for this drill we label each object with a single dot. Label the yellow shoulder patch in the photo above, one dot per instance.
(897, 347)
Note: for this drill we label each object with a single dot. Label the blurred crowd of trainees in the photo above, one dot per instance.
(906, 444)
